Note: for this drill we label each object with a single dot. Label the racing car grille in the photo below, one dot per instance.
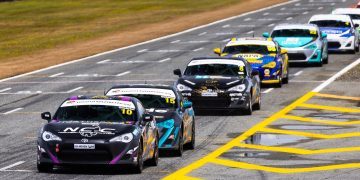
(334, 44)
(296, 56)
(84, 156)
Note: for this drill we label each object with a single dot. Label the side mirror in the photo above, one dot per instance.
(283, 51)
(323, 35)
(187, 104)
(177, 72)
(356, 25)
(266, 35)
(46, 116)
(148, 118)
(217, 51)
(254, 73)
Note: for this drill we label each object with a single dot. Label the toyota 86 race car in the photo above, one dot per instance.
(354, 13)
(174, 115)
(304, 42)
(98, 130)
(220, 83)
(340, 30)
(263, 54)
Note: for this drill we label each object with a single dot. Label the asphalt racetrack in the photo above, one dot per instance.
(298, 134)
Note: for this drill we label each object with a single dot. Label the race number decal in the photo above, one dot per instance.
(170, 100)
(271, 48)
(241, 68)
(127, 111)
(312, 31)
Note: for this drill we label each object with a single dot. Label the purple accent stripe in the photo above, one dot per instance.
(116, 159)
(73, 98)
(125, 98)
(53, 158)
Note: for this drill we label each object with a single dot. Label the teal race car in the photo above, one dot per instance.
(305, 43)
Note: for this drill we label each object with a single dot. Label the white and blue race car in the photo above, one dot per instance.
(340, 30)
(354, 13)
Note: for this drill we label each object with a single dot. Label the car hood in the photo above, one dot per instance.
(91, 130)
(293, 42)
(214, 82)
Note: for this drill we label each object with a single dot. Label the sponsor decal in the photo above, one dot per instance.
(88, 131)
(267, 72)
(166, 93)
(99, 102)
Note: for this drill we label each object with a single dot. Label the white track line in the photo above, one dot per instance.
(226, 26)
(267, 91)
(289, 18)
(73, 90)
(247, 19)
(14, 110)
(306, 12)
(12, 165)
(124, 73)
(143, 50)
(270, 25)
(164, 60)
(298, 73)
(250, 32)
(265, 14)
(58, 74)
(176, 41)
(153, 40)
(103, 61)
(6, 89)
(198, 49)
(320, 8)
(203, 33)
(335, 76)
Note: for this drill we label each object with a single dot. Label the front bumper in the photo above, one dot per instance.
(304, 55)
(59, 153)
(269, 75)
(341, 44)
(223, 101)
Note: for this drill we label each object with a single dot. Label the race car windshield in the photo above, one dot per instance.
(95, 113)
(331, 23)
(354, 16)
(155, 101)
(215, 70)
(253, 49)
(295, 33)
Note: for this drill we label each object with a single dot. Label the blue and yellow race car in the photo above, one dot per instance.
(264, 55)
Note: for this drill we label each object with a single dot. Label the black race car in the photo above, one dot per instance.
(220, 83)
(174, 116)
(98, 130)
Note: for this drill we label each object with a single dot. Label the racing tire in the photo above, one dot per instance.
(140, 162)
(191, 144)
(155, 159)
(257, 106)
(44, 167)
(357, 48)
(249, 109)
(179, 151)
(279, 85)
(285, 80)
(325, 60)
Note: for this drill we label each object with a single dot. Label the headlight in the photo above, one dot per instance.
(182, 87)
(125, 138)
(48, 136)
(240, 88)
(270, 65)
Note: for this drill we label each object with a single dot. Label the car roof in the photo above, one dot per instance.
(338, 17)
(346, 11)
(119, 98)
(295, 26)
(253, 40)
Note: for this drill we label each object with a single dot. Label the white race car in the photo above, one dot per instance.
(340, 29)
(354, 13)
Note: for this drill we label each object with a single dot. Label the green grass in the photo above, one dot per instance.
(30, 26)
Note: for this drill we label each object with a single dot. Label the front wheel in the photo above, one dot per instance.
(191, 144)
(155, 159)
(180, 149)
(140, 163)
(257, 106)
(248, 111)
